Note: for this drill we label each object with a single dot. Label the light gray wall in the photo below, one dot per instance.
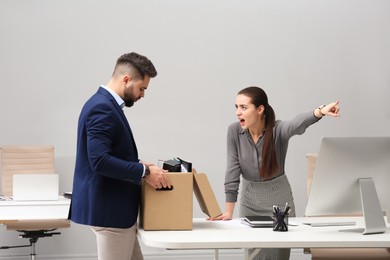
(304, 53)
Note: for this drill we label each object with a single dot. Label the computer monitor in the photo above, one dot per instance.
(352, 176)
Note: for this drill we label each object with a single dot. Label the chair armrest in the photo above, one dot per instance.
(29, 225)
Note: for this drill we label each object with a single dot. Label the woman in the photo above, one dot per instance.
(256, 149)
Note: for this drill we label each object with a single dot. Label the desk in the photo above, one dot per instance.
(11, 210)
(232, 234)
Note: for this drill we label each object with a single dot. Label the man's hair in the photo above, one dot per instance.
(135, 64)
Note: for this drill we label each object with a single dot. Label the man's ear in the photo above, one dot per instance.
(126, 79)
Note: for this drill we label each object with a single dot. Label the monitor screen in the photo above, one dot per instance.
(341, 162)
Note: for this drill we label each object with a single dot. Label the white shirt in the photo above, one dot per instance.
(117, 98)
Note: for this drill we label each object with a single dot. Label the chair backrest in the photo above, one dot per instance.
(24, 159)
(311, 164)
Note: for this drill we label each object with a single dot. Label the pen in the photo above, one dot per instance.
(285, 207)
(286, 211)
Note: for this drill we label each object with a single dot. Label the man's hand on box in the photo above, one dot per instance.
(157, 178)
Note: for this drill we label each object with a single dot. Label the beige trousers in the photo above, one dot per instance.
(117, 243)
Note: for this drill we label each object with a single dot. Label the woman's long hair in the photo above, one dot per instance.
(269, 166)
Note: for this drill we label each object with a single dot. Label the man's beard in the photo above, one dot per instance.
(129, 103)
(129, 100)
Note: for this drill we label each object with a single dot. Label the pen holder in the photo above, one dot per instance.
(280, 222)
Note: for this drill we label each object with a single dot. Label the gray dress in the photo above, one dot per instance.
(243, 160)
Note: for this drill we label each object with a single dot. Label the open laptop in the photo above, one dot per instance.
(35, 186)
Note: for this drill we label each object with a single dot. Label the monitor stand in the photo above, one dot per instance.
(372, 212)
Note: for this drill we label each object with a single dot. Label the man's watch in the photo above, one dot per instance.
(147, 171)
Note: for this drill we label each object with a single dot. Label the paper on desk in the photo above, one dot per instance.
(236, 222)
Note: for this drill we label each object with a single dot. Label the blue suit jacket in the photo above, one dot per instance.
(106, 184)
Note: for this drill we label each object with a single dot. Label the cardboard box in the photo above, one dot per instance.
(205, 195)
(173, 209)
(168, 209)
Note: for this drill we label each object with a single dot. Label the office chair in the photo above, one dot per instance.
(340, 253)
(28, 159)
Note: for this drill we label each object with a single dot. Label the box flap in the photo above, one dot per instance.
(205, 195)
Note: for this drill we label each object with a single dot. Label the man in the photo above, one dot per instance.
(108, 173)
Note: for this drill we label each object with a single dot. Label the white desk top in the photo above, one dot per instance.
(31, 210)
(233, 234)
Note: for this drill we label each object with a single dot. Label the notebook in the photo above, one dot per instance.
(258, 221)
(34, 186)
